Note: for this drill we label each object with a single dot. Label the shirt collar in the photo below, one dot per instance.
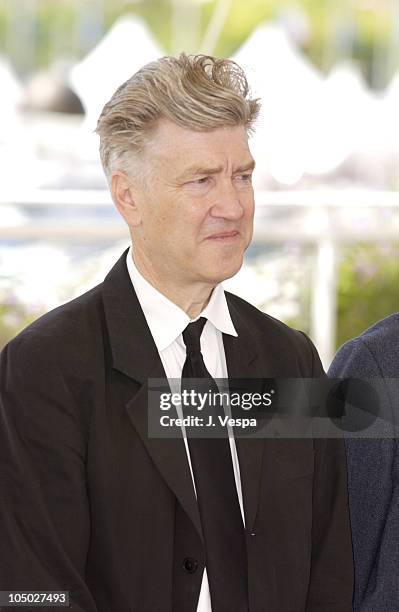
(158, 308)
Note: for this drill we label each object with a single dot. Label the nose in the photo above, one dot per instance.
(228, 202)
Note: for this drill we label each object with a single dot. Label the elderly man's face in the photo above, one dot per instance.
(194, 217)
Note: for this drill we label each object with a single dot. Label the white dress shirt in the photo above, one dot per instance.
(167, 322)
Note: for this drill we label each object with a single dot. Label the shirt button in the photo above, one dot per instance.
(190, 565)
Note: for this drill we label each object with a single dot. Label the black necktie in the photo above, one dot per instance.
(222, 526)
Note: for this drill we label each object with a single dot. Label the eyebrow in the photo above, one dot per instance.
(249, 166)
(199, 170)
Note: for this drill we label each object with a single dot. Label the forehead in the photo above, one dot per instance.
(171, 142)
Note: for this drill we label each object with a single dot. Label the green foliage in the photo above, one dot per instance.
(14, 316)
(367, 289)
(336, 27)
(3, 26)
(156, 13)
(240, 23)
(50, 20)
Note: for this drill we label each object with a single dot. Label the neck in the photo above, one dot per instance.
(191, 298)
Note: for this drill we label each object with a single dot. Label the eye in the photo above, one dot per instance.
(245, 178)
(201, 181)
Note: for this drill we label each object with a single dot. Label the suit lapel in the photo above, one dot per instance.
(243, 361)
(134, 353)
(168, 454)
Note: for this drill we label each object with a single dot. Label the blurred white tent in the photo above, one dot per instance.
(289, 87)
(273, 62)
(345, 105)
(126, 47)
(387, 119)
(16, 155)
(11, 96)
(369, 121)
(309, 124)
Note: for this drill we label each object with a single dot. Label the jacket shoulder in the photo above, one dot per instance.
(373, 353)
(263, 323)
(274, 336)
(60, 332)
(386, 330)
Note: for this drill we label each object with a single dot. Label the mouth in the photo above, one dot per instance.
(224, 236)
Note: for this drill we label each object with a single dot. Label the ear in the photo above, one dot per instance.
(125, 196)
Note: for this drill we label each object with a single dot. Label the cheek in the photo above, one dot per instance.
(250, 203)
(159, 223)
(249, 209)
(196, 220)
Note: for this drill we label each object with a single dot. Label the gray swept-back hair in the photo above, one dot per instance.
(197, 92)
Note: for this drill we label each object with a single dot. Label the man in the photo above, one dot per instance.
(94, 504)
(373, 471)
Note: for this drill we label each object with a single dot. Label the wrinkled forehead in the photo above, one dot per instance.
(171, 144)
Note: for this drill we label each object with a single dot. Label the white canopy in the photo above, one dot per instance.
(11, 95)
(309, 124)
(126, 47)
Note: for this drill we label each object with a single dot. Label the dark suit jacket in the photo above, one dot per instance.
(373, 473)
(88, 500)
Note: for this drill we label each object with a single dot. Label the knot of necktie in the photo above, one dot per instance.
(192, 335)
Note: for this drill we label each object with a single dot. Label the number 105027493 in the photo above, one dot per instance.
(15, 599)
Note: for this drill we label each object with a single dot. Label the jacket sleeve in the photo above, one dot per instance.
(381, 589)
(44, 510)
(331, 578)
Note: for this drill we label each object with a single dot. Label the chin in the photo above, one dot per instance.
(223, 270)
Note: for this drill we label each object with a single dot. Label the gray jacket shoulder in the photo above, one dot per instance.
(372, 354)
